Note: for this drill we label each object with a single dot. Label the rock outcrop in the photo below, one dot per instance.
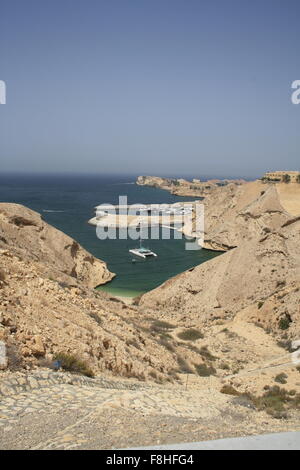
(259, 274)
(234, 214)
(182, 187)
(25, 234)
(41, 317)
(47, 306)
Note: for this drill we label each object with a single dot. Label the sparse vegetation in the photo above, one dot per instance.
(96, 317)
(153, 374)
(275, 401)
(190, 335)
(204, 370)
(207, 354)
(224, 366)
(280, 284)
(229, 390)
(159, 326)
(286, 178)
(184, 368)
(173, 374)
(230, 334)
(281, 378)
(285, 345)
(71, 363)
(284, 322)
(164, 342)
(260, 304)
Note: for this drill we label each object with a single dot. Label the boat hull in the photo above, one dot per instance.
(142, 255)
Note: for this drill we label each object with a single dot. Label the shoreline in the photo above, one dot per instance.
(119, 292)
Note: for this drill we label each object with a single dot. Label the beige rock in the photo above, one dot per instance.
(62, 258)
(266, 260)
(37, 346)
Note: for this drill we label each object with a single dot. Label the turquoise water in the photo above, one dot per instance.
(68, 202)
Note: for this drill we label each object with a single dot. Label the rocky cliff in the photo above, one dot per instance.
(26, 235)
(259, 274)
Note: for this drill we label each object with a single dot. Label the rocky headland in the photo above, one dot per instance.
(183, 187)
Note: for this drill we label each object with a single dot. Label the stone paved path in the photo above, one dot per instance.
(65, 416)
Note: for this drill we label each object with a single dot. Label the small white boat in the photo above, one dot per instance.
(142, 252)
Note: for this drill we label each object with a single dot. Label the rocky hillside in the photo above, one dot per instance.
(47, 305)
(27, 236)
(41, 317)
(209, 322)
(259, 276)
(234, 214)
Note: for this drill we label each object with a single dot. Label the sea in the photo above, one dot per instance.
(68, 201)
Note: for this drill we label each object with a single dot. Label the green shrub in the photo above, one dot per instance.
(280, 283)
(276, 401)
(260, 304)
(284, 323)
(73, 364)
(205, 371)
(190, 335)
(281, 378)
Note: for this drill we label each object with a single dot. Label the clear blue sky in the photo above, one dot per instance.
(150, 87)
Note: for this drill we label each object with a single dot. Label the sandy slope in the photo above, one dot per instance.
(289, 195)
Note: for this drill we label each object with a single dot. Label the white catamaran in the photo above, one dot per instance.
(142, 252)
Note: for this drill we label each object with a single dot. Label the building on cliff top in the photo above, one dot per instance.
(282, 176)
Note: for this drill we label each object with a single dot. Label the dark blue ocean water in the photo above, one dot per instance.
(68, 201)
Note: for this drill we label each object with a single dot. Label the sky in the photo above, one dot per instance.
(149, 86)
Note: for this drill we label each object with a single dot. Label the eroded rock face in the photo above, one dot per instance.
(41, 317)
(25, 234)
(264, 265)
(234, 214)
